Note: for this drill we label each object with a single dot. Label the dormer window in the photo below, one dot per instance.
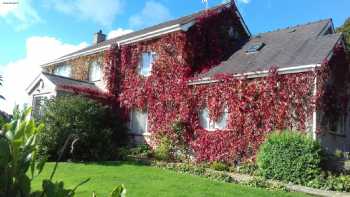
(64, 70)
(253, 48)
(146, 63)
(95, 71)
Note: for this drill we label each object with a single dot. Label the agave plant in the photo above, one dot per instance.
(18, 154)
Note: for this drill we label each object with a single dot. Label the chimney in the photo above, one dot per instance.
(99, 37)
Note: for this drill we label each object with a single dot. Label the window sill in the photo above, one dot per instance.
(145, 76)
(139, 134)
(95, 81)
(213, 130)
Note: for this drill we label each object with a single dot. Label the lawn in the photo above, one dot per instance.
(144, 181)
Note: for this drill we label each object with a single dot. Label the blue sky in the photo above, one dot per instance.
(35, 31)
(70, 22)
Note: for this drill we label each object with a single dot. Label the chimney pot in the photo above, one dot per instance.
(99, 37)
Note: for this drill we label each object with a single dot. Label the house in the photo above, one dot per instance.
(206, 70)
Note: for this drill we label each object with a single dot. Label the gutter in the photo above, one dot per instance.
(149, 35)
(156, 33)
(259, 74)
(243, 23)
(85, 53)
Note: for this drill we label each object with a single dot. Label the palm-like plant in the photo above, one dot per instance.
(18, 150)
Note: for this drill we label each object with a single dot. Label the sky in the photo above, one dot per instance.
(36, 31)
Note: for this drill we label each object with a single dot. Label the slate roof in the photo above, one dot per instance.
(65, 81)
(293, 46)
(181, 21)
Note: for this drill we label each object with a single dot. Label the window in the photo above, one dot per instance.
(63, 70)
(146, 62)
(38, 102)
(138, 122)
(204, 119)
(95, 71)
(206, 123)
(337, 126)
(233, 33)
(255, 47)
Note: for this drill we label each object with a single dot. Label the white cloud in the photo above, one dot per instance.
(118, 32)
(102, 12)
(18, 74)
(244, 1)
(19, 13)
(238, 1)
(152, 13)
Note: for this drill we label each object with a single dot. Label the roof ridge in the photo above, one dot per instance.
(114, 40)
(294, 26)
(46, 73)
(177, 18)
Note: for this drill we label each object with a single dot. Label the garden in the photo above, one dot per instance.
(74, 149)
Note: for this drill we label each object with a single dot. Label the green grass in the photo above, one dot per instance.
(144, 181)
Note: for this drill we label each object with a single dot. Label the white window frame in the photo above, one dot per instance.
(131, 127)
(340, 126)
(93, 70)
(152, 55)
(64, 70)
(213, 125)
(233, 33)
(39, 108)
(37, 104)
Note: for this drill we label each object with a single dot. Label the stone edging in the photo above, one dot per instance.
(292, 187)
(244, 178)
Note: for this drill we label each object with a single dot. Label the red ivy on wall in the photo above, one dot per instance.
(256, 106)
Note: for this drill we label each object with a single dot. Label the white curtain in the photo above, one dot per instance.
(146, 62)
(206, 123)
(139, 121)
(95, 71)
(63, 70)
(222, 122)
(204, 119)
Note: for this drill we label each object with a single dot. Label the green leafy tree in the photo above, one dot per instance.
(1, 97)
(345, 29)
(98, 128)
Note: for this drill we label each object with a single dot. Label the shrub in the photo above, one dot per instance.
(260, 182)
(339, 183)
(141, 149)
(219, 166)
(247, 168)
(164, 149)
(99, 129)
(289, 156)
(198, 170)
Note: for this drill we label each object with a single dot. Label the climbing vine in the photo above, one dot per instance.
(255, 106)
(80, 66)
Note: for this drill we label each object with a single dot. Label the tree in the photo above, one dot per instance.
(99, 128)
(345, 29)
(1, 97)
